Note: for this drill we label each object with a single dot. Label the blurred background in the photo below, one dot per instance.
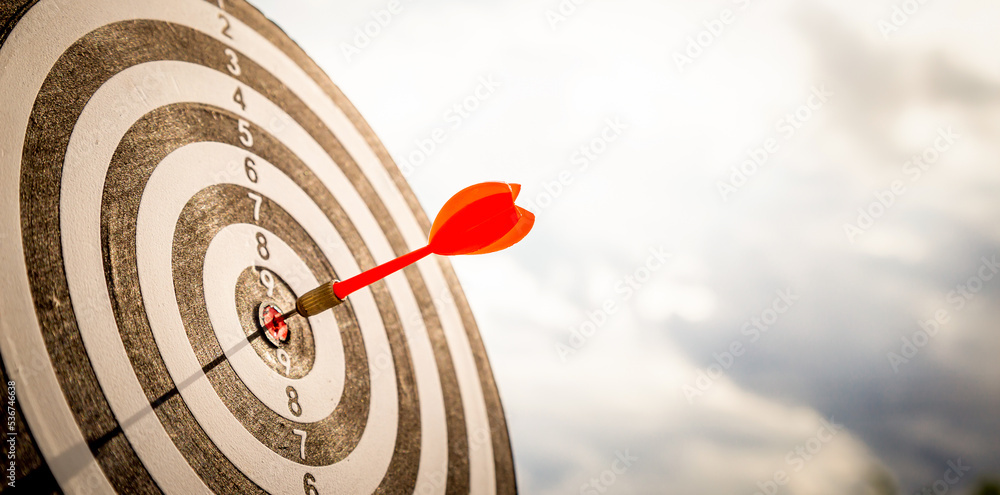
(766, 252)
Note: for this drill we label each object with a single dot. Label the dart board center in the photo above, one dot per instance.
(258, 288)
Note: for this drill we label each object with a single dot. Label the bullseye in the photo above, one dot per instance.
(272, 323)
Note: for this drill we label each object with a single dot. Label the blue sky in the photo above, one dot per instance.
(701, 289)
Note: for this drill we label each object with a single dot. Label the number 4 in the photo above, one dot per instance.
(302, 434)
(238, 98)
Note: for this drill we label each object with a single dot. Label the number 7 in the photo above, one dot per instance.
(303, 435)
(257, 200)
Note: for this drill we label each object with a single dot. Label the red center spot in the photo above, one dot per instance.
(274, 324)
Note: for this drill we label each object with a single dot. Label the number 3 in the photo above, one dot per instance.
(234, 62)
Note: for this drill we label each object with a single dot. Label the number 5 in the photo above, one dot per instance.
(245, 137)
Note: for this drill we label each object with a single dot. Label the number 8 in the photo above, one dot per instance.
(262, 246)
(293, 401)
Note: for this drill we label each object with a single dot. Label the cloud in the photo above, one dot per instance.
(656, 185)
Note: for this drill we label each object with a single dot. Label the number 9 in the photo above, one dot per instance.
(267, 280)
(285, 360)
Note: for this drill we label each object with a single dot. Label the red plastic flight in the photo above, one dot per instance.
(479, 219)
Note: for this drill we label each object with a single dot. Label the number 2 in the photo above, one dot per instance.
(225, 29)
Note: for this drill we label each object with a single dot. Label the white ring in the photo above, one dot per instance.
(227, 256)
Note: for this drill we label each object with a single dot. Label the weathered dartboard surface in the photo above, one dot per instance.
(166, 166)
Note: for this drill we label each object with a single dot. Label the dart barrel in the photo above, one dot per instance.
(317, 300)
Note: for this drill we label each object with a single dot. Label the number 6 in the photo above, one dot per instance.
(309, 484)
(248, 165)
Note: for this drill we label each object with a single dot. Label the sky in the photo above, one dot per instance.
(767, 232)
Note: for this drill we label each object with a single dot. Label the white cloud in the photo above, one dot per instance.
(656, 185)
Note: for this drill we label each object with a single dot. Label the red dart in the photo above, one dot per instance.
(479, 219)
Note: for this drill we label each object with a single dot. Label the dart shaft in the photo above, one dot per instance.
(333, 293)
(343, 289)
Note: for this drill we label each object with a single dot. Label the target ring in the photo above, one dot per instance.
(163, 175)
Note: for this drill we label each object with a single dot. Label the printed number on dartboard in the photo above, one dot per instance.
(267, 279)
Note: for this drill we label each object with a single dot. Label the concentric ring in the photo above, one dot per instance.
(432, 343)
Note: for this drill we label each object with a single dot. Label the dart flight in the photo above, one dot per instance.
(478, 219)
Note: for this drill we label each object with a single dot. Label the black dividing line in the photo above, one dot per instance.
(103, 440)
(97, 443)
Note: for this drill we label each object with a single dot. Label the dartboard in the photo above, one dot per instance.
(165, 168)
